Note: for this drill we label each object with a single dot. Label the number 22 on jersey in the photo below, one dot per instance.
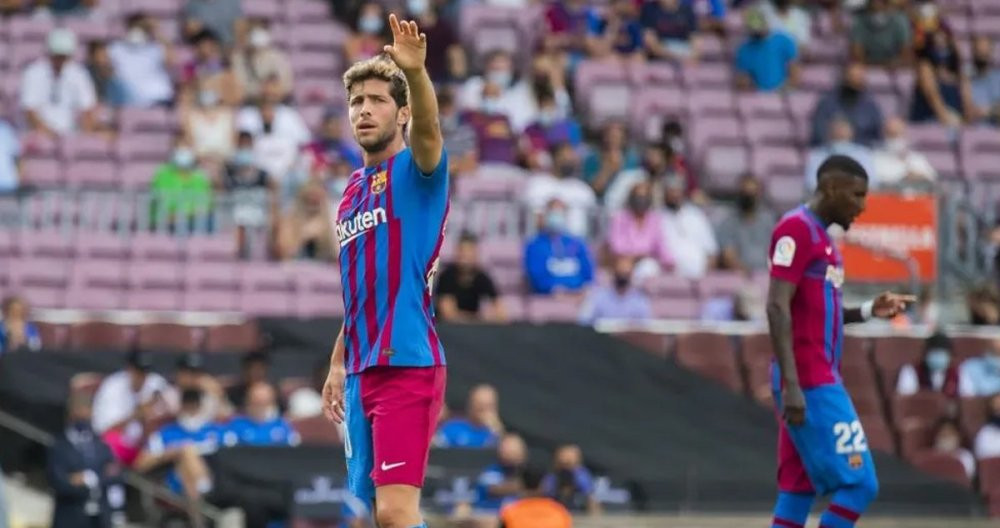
(850, 437)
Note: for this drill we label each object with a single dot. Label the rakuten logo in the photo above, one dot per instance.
(358, 224)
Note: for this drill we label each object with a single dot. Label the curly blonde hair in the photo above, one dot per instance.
(383, 69)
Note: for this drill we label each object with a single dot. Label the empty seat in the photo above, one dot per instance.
(232, 338)
(915, 437)
(708, 75)
(92, 174)
(711, 103)
(855, 351)
(924, 407)
(892, 352)
(652, 103)
(147, 246)
(154, 285)
(211, 286)
(608, 101)
(212, 248)
(818, 77)
(972, 415)
(766, 105)
(81, 147)
(723, 167)
(147, 120)
(97, 285)
(942, 465)
(266, 289)
(53, 335)
(42, 282)
(101, 246)
(666, 285)
(543, 309)
(989, 475)
(317, 36)
(318, 91)
(306, 11)
(137, 175)
(169, 336)
(767, 161)
(319, 292)
(721, 284)
(42, 172)
(143, 147)
(46, 244)
(969, 346)
(261, 8)
(772, 131)
(930, 136)
(100, 335)
(878, 433)
(858, 377)
(711, 355)
(513, 305)
(676, 308)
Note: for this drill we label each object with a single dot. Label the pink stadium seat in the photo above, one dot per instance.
(891, 353)
(878, 433)
(319, 91)
(85, 29)
(708, 75)
(212, 248)
(147, 146)
(514, 306)
(987, 24)
(502, 252)
(720, 284)
(771, 131)
(132, 119)
(153, 286)
(314, 36)
(92, 174)
(46, 244)
(306, 11)
(706, 132)
(96, 285)
(879, 80)
(652, 103)
(475, 16)
(77, 147)
(474, 187)
(655, 73)
(591, 73)
(826, 50)
(319, 290)
(266, 289)
(268, 9)
(232, 337)
(924, 408)
(147, 246)
(818, 77)
(138, 175)
(542, 309)
(675, 308)
(609, 101)
(802, 104)
(492, 38)
(761, 105)
(943, 465)
(101, 246)
(944, 162)
(315, 64)
(668, 286)
(713, 48)
(211, 286)
(26, 28)
(890, 105)
(930, 136)
(508, 280)
(8, 244)
(42, 172)
(711, 102)
(42, 281)
(785, 190)
(770, 160)
(724, 165)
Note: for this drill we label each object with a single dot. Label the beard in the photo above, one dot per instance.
(372, 146)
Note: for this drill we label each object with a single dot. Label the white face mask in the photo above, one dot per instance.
(500, 78)
(260, 38)
(417, 7)
(136, 36)
(208, 98)
(896, 145)
(184, 158)
(191, 423)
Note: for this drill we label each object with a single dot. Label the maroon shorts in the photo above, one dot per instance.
(392, 413)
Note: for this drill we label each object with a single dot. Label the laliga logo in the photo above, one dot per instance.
(358, 224)
(835, 275)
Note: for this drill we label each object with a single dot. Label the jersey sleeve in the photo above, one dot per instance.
(437, 177)
(791, 250)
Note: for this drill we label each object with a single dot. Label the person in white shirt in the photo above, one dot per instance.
(936, 371)
(278, 129)
(10, 158)
(142, 61)
(784, 15)
(259, 60)
(687, 231)
(988, 437)
(57, 94)
(307, 402)
(841, 142)
(896, 163)
(948, 439)
(564, 183)
(498, 91)
(125, 399)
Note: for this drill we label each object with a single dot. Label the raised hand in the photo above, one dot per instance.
(888, 304)
(409, 45)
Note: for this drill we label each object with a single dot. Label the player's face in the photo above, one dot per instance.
(849, 200)
(375, 118)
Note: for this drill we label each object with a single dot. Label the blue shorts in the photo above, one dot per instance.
(827, 452)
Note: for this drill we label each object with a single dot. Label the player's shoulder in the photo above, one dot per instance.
(794, 223)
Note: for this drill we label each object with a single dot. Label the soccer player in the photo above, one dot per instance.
(387, 374)
(821, 446)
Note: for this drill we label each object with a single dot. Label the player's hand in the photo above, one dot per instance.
(409, 45)
(794, 403)
(889, 305)
(333, 394)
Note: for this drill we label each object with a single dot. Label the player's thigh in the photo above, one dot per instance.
(358, 450)
(832, 443)
(403, 406)
(400, 502)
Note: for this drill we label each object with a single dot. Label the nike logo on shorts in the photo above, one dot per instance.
(387, 467)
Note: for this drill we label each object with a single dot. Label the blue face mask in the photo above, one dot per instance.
(370, 24)
(243, 158)
(938, 359)
(555, 221)
(993, 361)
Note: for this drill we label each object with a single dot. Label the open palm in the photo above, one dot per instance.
(409, 45)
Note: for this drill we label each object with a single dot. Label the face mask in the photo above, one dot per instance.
(928, 12)
(948, 443)
(80, 426)
(880, 19)
(547, 117)
(260, 38)
(849, 92)
(208, 98)
(995, 419)
(270, 414)
(370, 24)
(243, 158)
(136, 36)
(500, 78)
(673, 206)
(417, 7)
(190, 423)
(555, 221)
(746, 202)
(938, 360)
(677, 145)
(567, 170)
(184, 158)
(981, 64)
(492, 106)
(639, 204)
(993, 361)
(896, 145)
(622, 281)
(449, 122)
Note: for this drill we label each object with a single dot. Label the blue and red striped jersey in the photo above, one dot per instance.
(390, 227)
(803, 253)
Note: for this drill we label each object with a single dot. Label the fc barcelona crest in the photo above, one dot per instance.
(855, 461)
(378, 182)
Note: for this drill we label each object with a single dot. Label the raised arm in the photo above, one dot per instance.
(409, 52)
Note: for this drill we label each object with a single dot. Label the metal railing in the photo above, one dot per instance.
(964, 250)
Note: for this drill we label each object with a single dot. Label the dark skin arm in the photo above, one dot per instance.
(886, 306)
(779, 318)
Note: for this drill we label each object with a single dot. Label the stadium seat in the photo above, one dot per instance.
(91, 174)
(654, 343)
(138, 175)
(97, 285)
(942, 465)
(211, 286)
(676, 308)
(101, 336)
(42, 281)
(153, 286)
(802, 104)
(878, 433)
(608, 102)
(42, 172)
(266, 289)
(147, 246)
(101, 246)
(211, 248)
(858, 377)
(914, 437)
(232, 338)
(668, 285)
(514, 305)
(545, 309)
(970, 346)
(972, 414)
(760, 105)
(148, 146)
(711, 355)
(989, 475)
(474, 187)
(931, 136)
(855, 351)
(708, 102)
(723, 167)
(48, 243)
(651, 104)
(145, 120)
(924, 407)
(720, 283)
(319, 291)
(818, 77)
(317, 430)
(85, 147)
(708, 75)
(168, 336)
(879, 80)
(268, 9)
(891, 353)
(491, 38)
(773, 131)
(944, 162)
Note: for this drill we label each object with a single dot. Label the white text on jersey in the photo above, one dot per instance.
(358, 224)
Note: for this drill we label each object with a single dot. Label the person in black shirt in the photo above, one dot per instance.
(465, 293)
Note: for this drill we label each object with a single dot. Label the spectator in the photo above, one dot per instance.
(241, 171)
(465, 292)
(221, 17)
(980, 376)
(210, 70)
(852, 102)
(616, 33)
(255, 367)
(495, 139)
(745, 234)
(446, 58)
(460, 140)
(307, 402)
(636, 232)
(142, 61)
(688, 233)
(841, 141)
(125, 401)
(659, 160)
(181, 190)
(40, 9)
(191, 375)
(787, 17)
(565, 183)
(881, 35)
(552, 126)
(566, 24)
(278, 129)
(209, 126)
(669, 30)
(935, 372)
(988, 437)
(306, 231)
(56, 92)
(896, 163)
(767, 60)
(260, 60)
(502, 482)
(984, 305)
(10, 158)
(555, 261)
(948, 439)
(499, 91)
(83, 473)
(942, 91)
(331, 150)
(108, 86)
(481, 425)
(534, 509)
(91, 10)
(985, 82)
(615, 154)
(371, 33)
(17, 333)
(262, 424)
(570, 482)
(618, 300)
